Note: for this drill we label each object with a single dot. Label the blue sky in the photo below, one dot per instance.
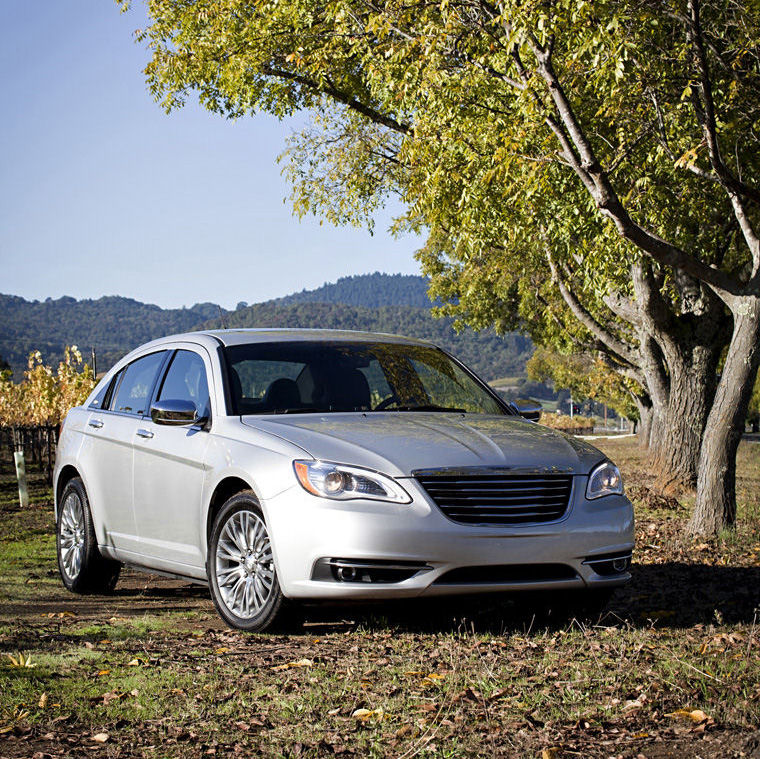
(102, 193)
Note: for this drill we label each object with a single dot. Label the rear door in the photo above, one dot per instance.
(169, 469)
(107, 452)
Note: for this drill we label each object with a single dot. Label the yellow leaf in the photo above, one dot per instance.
(365, 715)
(43, 701)
(293, 664)
(21, 660)
(222, 650)
(133, 663)
(553, 752)
(104, 672)
(694, 715)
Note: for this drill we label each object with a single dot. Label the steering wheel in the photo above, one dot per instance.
(392, 398)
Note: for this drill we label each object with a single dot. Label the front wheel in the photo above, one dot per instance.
(240, 566)
(82, 568)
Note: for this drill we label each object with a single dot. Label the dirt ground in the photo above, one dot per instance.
(671, 669)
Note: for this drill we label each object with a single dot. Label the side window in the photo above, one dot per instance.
(101, 399)
(133, 393)
(186, 381)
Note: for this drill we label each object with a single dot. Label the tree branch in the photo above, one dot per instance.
(328, 88)
(734, 187)
(618, 347)
(597, 181)
(706, 113)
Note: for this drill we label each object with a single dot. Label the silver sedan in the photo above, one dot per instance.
(279, 466)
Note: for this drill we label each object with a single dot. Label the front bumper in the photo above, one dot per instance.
(307, 531)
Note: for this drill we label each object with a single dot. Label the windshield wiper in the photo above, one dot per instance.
(429, 407)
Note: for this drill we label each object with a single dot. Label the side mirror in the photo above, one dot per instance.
(528, 409)
(175, 413)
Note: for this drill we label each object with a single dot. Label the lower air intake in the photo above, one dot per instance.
(506, 574)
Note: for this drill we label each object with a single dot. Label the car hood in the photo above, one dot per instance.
(400, 443)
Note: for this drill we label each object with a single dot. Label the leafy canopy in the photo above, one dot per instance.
(453, 106)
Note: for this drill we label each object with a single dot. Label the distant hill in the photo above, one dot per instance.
(376, 302)
(488, 354)
(114, 325)
(367, 290)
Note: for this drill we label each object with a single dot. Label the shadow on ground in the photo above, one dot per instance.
(668, 595)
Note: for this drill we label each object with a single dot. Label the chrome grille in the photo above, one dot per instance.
(499, 499)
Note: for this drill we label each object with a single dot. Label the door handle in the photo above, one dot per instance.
(145, 433)
(96, 423)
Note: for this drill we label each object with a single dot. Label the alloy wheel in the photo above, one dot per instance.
(72, 532)
(244, 564)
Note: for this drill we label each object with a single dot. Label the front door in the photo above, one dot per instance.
(169, 471)
(107, 452)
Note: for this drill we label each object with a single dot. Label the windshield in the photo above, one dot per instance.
(302, 377)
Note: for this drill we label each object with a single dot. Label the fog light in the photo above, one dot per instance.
(609, 564)
(346, 574)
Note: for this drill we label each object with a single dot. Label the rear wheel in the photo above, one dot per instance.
(82, 568)
(240, 566)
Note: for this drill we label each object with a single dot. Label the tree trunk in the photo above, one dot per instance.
(676, 447)
(645, 423)
(716, 487)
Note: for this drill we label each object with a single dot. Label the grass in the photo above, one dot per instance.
(155, 670)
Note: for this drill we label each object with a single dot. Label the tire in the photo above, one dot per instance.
(82, 568)
(240, 567)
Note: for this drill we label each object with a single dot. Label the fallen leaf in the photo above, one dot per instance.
(21, 660)
(101, 737)
(497, 694)
(551, 753)
(694, 715)
(43, 701)
(367, 715)
(294, 664)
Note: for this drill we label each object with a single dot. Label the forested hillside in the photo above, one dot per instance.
(376, 302)
(112, 324)
(488, 354)
(368, 290)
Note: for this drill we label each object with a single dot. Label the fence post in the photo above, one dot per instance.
(23, 492)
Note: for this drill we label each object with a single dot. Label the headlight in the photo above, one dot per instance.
(604, 480)
(342, 483)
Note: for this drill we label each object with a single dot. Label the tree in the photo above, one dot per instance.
(611, 143)
(585, 377)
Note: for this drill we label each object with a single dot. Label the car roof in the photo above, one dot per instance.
(268, 335)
